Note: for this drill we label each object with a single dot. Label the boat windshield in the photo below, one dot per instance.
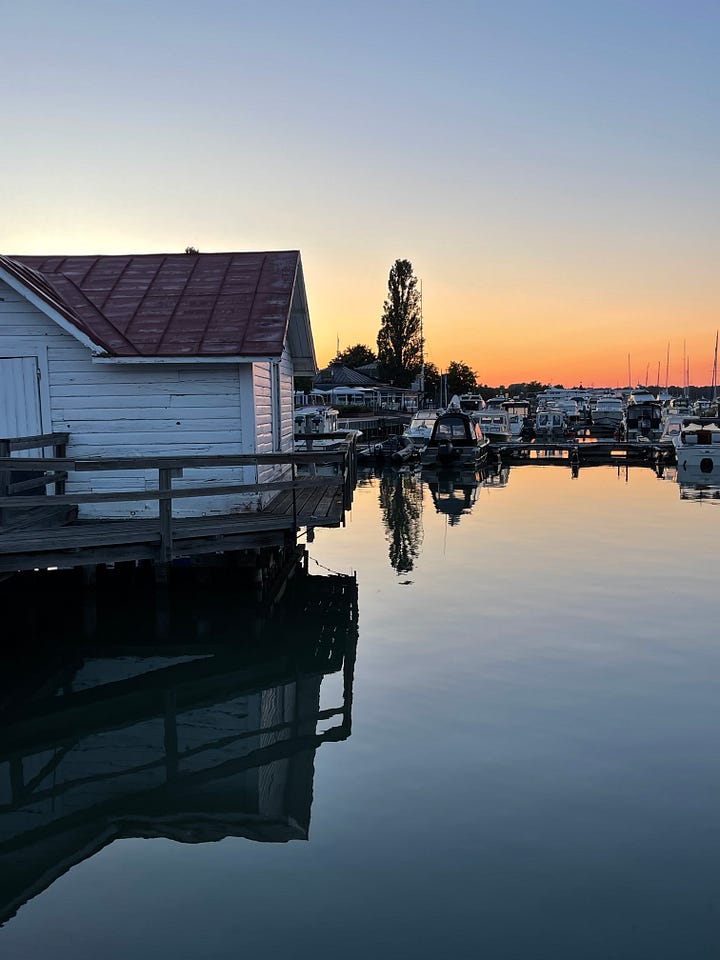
(452, 428)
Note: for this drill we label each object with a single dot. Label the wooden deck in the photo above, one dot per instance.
(42, 531)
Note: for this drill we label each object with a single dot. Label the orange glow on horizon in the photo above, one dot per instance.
(511, 337)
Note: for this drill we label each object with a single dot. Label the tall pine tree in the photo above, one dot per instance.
(399, 342)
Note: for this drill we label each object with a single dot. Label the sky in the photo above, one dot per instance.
(551, 169)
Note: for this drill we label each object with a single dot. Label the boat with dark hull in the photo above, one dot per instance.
(457, 440)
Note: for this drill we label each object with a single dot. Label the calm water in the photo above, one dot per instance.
(518, 756)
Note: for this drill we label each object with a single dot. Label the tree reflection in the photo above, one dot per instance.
(401, 505)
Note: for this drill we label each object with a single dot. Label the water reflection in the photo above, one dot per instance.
(695, 485)
(400, 497)
(453, 492)
(209, 734)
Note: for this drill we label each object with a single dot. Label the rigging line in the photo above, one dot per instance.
(330, 569)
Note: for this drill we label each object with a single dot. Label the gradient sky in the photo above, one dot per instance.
(551, 169)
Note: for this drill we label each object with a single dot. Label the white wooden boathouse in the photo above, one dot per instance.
(156, 355)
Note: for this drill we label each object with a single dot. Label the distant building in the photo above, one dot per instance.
(344, 386)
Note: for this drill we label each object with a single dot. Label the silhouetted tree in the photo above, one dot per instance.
(191, 250)
(526, 389)
(399, 343)
(432, 381)
(357, 356)
(461, 378)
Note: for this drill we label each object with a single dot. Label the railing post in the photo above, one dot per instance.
(294, 494)
(165, 475)
(5, 476)
(60, 452)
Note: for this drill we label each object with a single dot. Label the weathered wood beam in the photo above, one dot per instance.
(183, 462)
(167, 494)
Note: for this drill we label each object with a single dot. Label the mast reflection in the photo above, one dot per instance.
(207, 735)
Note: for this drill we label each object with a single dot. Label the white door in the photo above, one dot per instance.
(20, 398)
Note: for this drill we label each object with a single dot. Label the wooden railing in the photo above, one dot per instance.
(55, 470)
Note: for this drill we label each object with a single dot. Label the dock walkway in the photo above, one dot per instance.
(40, 531)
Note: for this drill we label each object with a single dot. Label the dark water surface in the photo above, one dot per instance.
(519, 756)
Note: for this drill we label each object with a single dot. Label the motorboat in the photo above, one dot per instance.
(643, 416)
(518, 411)
(495, 424)
(492, 416)
(550, 422)
(457, 440)
(420, 428)
(471, 402)
(319, 420)
(697, 446)
(671, 427)
(607, 413)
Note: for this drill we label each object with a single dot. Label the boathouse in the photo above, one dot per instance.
(156, 355)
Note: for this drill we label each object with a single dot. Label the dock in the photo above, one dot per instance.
(582, 452)
(41, 529)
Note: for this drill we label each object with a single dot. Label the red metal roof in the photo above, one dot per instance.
(171, 305)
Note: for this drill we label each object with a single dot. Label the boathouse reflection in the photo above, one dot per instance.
(207, 735)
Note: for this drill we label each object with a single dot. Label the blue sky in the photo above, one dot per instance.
(546, 166)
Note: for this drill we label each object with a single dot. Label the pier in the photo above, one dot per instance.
(39, 525)
(583, 452)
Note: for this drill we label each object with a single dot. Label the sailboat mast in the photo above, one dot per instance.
(667, 367)
(422, 347)
(714, 373)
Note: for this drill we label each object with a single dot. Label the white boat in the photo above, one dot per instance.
(492, 416)
(671, 426)
(320, 419)
(420, 428)
(643, 416)
(550, 422)
(470, 402)
(607, 413)
(697, 446)
(495, 424)
(457, 441)
(518, 411)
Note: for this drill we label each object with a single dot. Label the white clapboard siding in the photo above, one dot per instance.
(121, 410)
(262, 386)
